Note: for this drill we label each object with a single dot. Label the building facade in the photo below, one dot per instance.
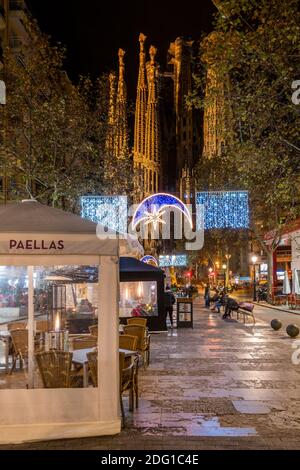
(167, 135)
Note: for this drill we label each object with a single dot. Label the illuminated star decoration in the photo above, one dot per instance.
(154, 217)
(151, 210)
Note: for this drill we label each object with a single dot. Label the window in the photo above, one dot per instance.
(138, 299)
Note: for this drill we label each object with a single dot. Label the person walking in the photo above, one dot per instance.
(169, 302)
(207, 296)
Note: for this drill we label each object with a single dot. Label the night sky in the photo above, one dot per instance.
(93, 30)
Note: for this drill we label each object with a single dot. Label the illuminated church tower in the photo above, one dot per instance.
(146, 149)
(139, 148)
(120, 120)
(110, 134)
(152, 153)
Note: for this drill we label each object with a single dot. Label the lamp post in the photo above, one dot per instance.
(224, 267)
(217, 267)
(210, 270)
(227, 256)
(254, 260)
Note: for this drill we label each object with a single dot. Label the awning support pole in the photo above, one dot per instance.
(30, 327)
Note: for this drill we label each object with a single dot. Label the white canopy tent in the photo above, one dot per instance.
(32, 234)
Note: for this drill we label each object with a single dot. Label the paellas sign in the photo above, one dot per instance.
(35, 245)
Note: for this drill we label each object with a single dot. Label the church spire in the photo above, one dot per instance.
(121, 126)
(111, 113)
(141, 104)
(139, 146)
(152, 125)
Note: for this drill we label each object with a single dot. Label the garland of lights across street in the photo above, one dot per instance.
(223, 209)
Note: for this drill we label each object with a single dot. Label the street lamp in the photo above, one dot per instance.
(254, 260)
(224, 267)
(227, 256)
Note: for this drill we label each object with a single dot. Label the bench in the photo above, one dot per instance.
(246, 312)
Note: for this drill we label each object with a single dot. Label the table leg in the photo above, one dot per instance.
(85, 375)
(6, 353)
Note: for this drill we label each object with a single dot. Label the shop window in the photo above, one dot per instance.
(138, 298)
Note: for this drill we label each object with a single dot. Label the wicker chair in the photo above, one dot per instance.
(19, 339)
(17, 325)
(128, 379)
(127, 382)
(55, 368)
(128, 342)
(93, 366)
(143, 345)
(94, 330)
(86, 342)
(137, 321)
(42, 326)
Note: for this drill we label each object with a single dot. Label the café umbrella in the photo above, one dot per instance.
(286, 284)
(296, 282)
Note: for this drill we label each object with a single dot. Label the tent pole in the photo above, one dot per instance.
(30, 327)
(108, 339)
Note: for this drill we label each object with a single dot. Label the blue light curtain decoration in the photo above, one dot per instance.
(223, 209)
(109, 211)
(172, 260)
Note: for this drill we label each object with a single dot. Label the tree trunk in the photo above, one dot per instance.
(270, 276)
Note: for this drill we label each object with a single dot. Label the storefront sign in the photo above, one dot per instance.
(36, 245)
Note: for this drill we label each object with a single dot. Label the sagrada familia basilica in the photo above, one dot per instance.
(167, 134)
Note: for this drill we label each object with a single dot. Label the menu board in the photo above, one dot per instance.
(184, 313)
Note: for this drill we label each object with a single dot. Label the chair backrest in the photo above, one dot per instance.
(93, 329)
(136, 330)
(137, 321)
(126, 373)
(42, 325)
(55, 368)
(93, 366)
(84, 343)
(128, 342)
(18, 325)
(20, 341)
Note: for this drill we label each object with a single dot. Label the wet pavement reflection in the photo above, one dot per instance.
(221, 378)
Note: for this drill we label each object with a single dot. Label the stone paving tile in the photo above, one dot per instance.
(221, 385)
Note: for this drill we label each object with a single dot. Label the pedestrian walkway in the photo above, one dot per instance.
(221, 385)
(280, 308)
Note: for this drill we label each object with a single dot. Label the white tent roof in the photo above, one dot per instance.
(29, 227)
(30, 216)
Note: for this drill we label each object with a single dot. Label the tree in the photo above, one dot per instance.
(255, 50)
(53, 142)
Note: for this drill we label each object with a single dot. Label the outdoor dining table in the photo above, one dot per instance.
(80, 358)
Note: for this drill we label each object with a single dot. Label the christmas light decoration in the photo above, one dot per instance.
(172, 260)
(151, 208)
(148, 259)
(222, 209)
(109, 211)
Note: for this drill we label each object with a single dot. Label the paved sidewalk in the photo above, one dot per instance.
(221, 385)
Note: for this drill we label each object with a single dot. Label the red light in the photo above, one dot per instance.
(189, 274)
